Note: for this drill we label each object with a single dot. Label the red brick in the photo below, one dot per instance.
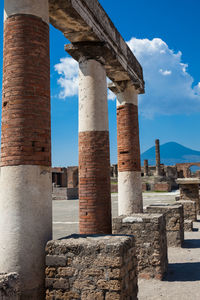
(94, 183)
(128, 138)
(26, 124)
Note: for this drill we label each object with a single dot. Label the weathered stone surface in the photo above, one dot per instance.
(151, 242)
(86, 21)
(189, 209)
(9, 286)
(188, 225)
(95, 267)
(174, 222)
(189, 190)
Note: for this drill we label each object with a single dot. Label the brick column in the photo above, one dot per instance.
(146, 167)
(129, 169)
(94, 159)
(94, 153)
(157, 150)
(25, 181)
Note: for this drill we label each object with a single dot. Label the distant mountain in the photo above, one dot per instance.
(171, 153)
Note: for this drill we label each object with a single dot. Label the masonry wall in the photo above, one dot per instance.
(92, 267)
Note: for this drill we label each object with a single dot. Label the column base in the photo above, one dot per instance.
(174, 222)
(91, 267)
(149, 231)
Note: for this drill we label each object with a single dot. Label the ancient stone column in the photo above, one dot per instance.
(129, 169)
(94, 154)
(146, 167)
(157, 149)
(25, 180)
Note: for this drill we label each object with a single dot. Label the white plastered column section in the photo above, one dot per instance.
(129, 182)
(93, 106)
(25, 224)
(25, 200)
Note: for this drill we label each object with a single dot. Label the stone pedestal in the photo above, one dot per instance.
(174, 222)
(9, 286)
(151, 242)
(91, 267)
(189, 190)
(189, 213)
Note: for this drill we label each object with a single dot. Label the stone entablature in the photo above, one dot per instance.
(86, 21)
(91, 267)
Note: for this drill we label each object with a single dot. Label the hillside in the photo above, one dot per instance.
(171, 153)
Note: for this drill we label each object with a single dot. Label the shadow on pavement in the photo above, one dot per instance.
(183, 272)
(191, 244)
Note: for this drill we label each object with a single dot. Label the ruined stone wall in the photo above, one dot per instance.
(93, 267)
(151, 242)
(174, 222)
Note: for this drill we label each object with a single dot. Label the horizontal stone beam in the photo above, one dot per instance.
(86, 21)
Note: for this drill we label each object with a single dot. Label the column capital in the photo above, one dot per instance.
(119, 87)
(82, 51)
(125, 91)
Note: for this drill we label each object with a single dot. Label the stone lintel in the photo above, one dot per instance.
(83, 21)
(188, 180)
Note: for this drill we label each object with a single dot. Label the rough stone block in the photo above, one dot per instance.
(188, 225)
(174, 222)
(96, 267)
(9, 286)
(189, 209)
(151, 242)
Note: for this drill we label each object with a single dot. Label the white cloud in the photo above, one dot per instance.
(169, 87)
(68, 80)
(165, 72)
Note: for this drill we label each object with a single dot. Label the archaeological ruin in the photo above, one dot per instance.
(106, 258)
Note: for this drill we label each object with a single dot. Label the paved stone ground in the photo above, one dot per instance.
(183, 279)
(65, 212)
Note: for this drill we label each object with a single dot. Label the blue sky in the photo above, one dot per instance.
(164, 36)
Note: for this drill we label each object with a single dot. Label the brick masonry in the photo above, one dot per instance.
(9, 286)
(94, 183)
(91, 267)
(151, 242)
(26, 136)
(128, 138)
(174, 222)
